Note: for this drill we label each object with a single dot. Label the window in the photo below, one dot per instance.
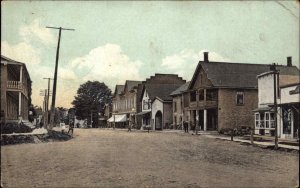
(201, 95)
(193, 96)
(240, 98)
(175, 106)
(257, 120)
(265, 120)
(146, 104)
(287, 120)
(262, 122)
(211, 95)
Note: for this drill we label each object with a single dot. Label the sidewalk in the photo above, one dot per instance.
(216, 135)
(258, 143)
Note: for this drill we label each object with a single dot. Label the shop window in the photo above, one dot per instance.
(262, 122)
(257, 120)
(240, 98)
(287, 120)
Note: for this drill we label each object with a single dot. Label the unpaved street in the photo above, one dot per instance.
(107, 158)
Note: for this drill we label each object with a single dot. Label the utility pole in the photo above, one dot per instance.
(44, 93)
(47, 103)
(275, 79)
(55, 74)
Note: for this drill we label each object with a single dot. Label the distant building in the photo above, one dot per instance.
(156, 102)
(15, 90)
(125, 104)
(286, 83)
(223, 95)
(180, 105)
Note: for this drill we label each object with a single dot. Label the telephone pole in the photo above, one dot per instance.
(47, 102)
(275, 80)
(55, 75)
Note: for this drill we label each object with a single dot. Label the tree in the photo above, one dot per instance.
(90, 99)
(34, 112)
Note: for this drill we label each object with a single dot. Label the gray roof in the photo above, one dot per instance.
(119, 89)
(13, 62)
(238, 75)
(181, 89)
(161, 91)
(131, 84)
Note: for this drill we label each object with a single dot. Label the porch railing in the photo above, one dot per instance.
(16, 85)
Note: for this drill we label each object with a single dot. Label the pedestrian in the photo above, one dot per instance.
(129, 127)
(71, 127)
(41, 124)
(186, 126)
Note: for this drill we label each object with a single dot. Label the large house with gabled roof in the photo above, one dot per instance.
(223, 95)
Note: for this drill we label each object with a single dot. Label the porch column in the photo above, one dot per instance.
(197, 121)
(205, 119)
(20, 93)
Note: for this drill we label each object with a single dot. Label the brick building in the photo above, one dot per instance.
(125, 104)
(156, 102)
(223, 95)
(15, 90)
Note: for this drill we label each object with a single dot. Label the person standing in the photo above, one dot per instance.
(186, 127)
(71, 127)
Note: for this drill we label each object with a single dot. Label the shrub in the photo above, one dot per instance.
(10, 128)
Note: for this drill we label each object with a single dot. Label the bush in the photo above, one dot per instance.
(10, 128)
(239, 131)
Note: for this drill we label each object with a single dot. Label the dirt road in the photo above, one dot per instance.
(107, 158)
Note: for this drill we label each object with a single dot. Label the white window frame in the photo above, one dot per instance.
(236, 98)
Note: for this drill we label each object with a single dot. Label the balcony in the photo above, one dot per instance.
(17, 86)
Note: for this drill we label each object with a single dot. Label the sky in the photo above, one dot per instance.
(132, 40)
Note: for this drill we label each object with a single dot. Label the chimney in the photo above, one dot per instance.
(205, 57)
(289, 61)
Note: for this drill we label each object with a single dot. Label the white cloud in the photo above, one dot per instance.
(185, 62)
(107, 64)
(35, 30)
(22, 51)
(66, 74)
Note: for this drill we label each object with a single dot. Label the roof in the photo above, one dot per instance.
(295, 91)
(238, 75)
(119, 89)
(132, 84)
(181, 89)
(161, 91)
(13, 62)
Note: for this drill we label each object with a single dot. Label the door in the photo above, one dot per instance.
(158, 120)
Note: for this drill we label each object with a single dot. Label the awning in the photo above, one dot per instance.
(142, 113)
(117, 118)
(263, 109)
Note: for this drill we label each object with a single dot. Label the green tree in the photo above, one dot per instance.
(90, 99)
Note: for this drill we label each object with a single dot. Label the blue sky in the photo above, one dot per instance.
(115, 41)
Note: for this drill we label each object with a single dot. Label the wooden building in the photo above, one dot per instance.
(15, 90)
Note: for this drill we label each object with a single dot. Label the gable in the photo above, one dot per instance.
(199, 79)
